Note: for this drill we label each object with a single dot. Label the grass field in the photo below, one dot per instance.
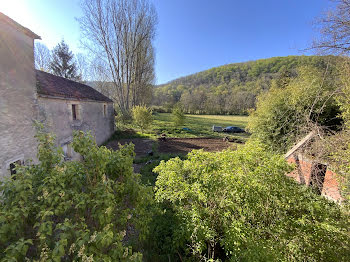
(199, 125)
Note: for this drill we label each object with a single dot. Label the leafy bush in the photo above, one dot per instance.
(142, 117)
(285, 113)
(70, 211)
(178, 116)
(240, 206)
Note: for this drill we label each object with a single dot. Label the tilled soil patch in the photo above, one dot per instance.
(185, 145)
(171, 145)
(142, 146)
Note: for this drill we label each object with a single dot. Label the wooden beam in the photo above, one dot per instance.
(300, 144)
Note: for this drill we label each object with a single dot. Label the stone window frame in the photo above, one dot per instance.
(79, 110)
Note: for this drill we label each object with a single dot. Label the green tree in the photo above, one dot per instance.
(63, 63)
(178, 115)
(240, 206)
(76, 210)
(285, 113)
(142, 117)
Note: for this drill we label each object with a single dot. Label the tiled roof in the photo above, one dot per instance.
(14, 24)
(56, 86)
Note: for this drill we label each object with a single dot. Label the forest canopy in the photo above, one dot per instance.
(233, 88)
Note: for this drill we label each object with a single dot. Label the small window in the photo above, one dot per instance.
(104, 110)
(13, 167)
(75, 112)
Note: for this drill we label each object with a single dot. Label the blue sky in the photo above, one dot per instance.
(192, 35)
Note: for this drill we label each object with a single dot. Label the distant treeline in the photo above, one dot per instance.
(233, 88)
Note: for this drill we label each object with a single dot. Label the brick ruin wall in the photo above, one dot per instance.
(311, 173)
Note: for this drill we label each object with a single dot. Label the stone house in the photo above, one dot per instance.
(27, 95)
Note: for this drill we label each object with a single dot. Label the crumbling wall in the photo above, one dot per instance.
(318, 175)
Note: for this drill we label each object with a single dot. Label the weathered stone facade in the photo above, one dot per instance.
(96, 117)
(27, 95)
(18, 98)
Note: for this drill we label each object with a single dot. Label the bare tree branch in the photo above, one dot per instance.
(120, 33)
(42, 57)
(335, 30)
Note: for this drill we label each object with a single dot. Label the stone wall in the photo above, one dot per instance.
(17, 98)
(58, 117)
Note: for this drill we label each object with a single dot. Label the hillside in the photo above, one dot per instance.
(232, 89)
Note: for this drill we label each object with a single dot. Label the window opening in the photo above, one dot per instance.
(74, 112)
(104, 110)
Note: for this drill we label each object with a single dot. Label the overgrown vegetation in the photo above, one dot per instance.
(240, 206)
(315, 100)
(293, 107)
(78, 210)
(338, 145)
(225, 206)
(231, 205)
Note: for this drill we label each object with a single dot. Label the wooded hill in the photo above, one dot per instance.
(233, 88)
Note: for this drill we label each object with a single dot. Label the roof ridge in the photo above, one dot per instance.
(52, 85)
(63, 78)
(17, 25)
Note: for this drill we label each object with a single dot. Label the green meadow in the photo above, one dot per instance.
(198, 125)
(194, 126)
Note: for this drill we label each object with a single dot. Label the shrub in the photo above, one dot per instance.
(178, 116)
(240, 206)
(70, 211)
(286, 113)
(142, 117)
